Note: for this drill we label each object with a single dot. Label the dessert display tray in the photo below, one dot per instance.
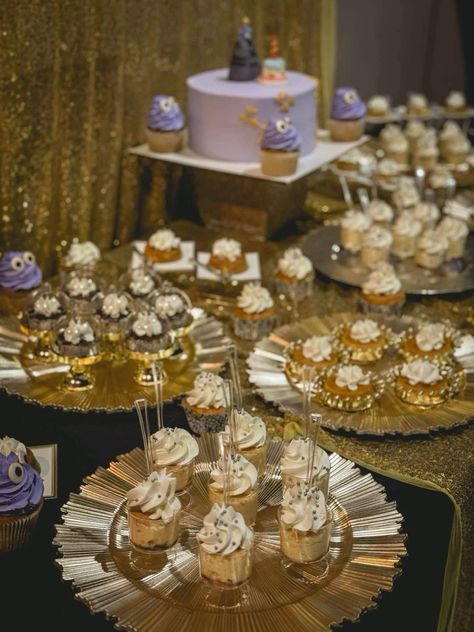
(389, 415)
(146, 592)
(204, 348)
(323, 248)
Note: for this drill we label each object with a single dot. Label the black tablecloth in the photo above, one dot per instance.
(34, 596)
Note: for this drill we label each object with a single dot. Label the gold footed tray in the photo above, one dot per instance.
(164, 591)
(204, 348)
(389, 415)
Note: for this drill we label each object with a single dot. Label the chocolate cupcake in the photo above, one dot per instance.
(140, 282)
(114, 313)
(174, 305)
(43, 310)
(148, 333)
(77, 338)
(82, 292)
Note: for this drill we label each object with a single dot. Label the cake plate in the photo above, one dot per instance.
(145, 592)
(203, 349)
(323, 247)
(389, 415)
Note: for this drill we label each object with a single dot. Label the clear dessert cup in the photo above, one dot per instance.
(257, 456)
(182, 472)
(149, 534)
(226, 571)
(175, 305)
(82, 292)
(245, 504)
(320, 480)
(139, 282)
(305, 547)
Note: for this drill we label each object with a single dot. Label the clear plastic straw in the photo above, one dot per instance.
(307, 387)
(141, 406)
(234, 370)
(314, 426)
(158, 386)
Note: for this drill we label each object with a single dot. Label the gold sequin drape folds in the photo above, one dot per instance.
(76, 79)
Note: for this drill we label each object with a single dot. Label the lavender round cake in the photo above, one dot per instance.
(225, 117)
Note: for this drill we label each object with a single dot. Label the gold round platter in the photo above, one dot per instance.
(389, 415)
(204, 348)
(145, 592)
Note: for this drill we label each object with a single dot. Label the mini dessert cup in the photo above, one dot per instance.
(456, 233)
(245, 504)
(139, 282)
(304, 547)
(294, 276)
(163, 246)
(227, 256)
(173, 304)
(174, 449)
(354, 226)
(149, 534)
(253, 326)
(182, 472)
(294, 465)
(164, 142)
(376, 246)
(431, 250)
(226, 570)
(202, 419)
(382, 292)
(435, 387)
(434, 342)
(250, 439)
(362, 394)
(204, 405)
(346, 131)
(241, 483)
(82, 292)
(292, 286)
(320, 480)
(38, 319)
(365, 349)
(257, 456)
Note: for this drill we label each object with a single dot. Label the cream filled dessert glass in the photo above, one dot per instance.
(405, 233)
(205, 405)
(405, 196)
(174, 450)
(227, 256)
(225, 544)
(154, 512)
(380, 213)
(365, 340)
(294, 274)
(250, 439)
(241, 486)
(382, 291)
(455, 231)
(354, 225)
(81, 254)
(294, 465)
(163, 246)
(376, 245)
(450, 131)
(431, 249)
(422, 383)
(254, 315)
(305, 524)
(413, 132)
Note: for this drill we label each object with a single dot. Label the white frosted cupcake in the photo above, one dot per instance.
(456, 232)
(441, 180)
(318, 352)
(250, 439)
(405, 196)
(455, 102)
(365, 340)
(242, 486)
(396, 148)
(254, 315)
(81, 255)
(354, 225)
(376, 246)
(454, 208)
(382, 291)
(417, 104)
(451, 130)
(414, 130)
(427, 213)
(390, 133)
(154, 512)
(205, 405)
(387, 171)
(380, 213)
(294, 274)
(378, 105)
(427, 153)
(457, 149)
(431, 250)
(227, 256)
(174, 449)
(294, 465)
(405, 233)
(163, 246)
(225, 547)
(305, 524)
(350, 160)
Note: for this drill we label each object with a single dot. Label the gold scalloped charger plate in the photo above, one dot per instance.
(389, 415)
(114, 390)
(164, 591)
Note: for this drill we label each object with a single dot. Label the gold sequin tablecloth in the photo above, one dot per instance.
(442, 461)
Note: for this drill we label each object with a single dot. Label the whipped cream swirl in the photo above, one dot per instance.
(47, 306)
(164, 239)
(294, 264)
(454, 208)
(414, 129)
(225, 248)
(406, 195)
(115, 305)
(426, 212)
(250, 431)
(365, 330)
(407, 224)
(8, 445)
(294, 461)
(351, 376)
(173, 446)
(433, 243)
(81, 287)
(421, 372)
(382, 280)
(304, 509)
(430, 337)
(456, 99)
(377, 237)
(207, 392)
(450, 130)
(317, 348)
(168, 305)
(147, 324)
(241, 479)
(356, 220)
(224, 531)
(378, 104)
(78, 331)
(417, 101)
(155, 497)
(254, 299)
(453, 228)
(141, 282)
(388, 167)
(380, 211)
(390, 132)
(83, 253)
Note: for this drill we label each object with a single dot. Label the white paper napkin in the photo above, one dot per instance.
(252, 273)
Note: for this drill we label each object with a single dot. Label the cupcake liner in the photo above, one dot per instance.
(302, 288)
(15, 531)
(200, 423)
(250, 329)
(394, 309)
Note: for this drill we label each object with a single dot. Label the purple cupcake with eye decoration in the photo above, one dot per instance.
(19, 275)
(21, 495)
(165, 125)
(347, 115)
(280, 147)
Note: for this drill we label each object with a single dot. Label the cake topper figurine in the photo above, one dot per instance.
(274, 66)
(244, 65)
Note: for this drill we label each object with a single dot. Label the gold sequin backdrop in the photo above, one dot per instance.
(76, 79)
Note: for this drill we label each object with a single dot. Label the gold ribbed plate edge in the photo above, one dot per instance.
(114, 389)
(164, 591)
(389, 415)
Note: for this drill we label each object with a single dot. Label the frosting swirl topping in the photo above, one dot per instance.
(433, 242)
(304, 509)
(356, 220)
(426, 212)
(115, 305)
(164, 239)
(250, 431)
(224, 531)
(295, 457)
(347, 105)
(242, 476)
(81, 287)
(19, 271)
(155, 497)
(173, 446)
(168, 305)
(141, 282)
(377, 237)
(47, 305)
(207, 392)
(414, 129)
(430, 337)
(456, 99)
(164, 114)
(417, 101)
(225, 248)
(406, 224)
(451, 129)
(406, 195)
(294, 264)
(147, 324)
(365, 330)
(453, 228)
(421, 372)
(281, 135)
(378, 104)
(254, 299)
(382, 281)
(21, 487)
(82, 253)
(380, 211)
(351, 376)
(317, 348)
(77, 331)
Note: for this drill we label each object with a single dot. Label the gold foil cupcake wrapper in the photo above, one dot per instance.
(418, 395)
(346, 403)
(372, 354)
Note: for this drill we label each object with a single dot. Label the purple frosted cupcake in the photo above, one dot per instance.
(280, 147)
(347, 115)
(19, 274)
(21, 495)
(165, 125)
